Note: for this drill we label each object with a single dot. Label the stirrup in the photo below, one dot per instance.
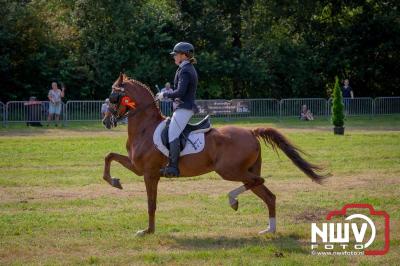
(169, 171)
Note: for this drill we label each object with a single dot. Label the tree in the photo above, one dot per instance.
(28, 54)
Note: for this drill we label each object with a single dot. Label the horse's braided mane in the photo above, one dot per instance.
(134, 81)
(140, 84)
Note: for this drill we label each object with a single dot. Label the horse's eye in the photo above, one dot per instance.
(115, 97)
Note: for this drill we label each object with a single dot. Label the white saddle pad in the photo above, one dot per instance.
(196, 137)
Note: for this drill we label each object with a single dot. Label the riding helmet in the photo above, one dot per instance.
(183, 47)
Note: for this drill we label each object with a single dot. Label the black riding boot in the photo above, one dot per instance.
(172, 169)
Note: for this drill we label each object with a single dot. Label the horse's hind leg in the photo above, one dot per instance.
(254, 182)
(248, 178)
(267, 196)
(250, 181)
(123, 160)
(238, 172)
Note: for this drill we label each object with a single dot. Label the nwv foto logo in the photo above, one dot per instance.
(329, 236)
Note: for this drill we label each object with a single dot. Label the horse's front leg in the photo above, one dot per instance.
(123, 160)
(151, 182)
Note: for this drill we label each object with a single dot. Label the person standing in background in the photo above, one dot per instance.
(167, 88)
(166, 104)
(34, 112)
(55, 95)
(347, 93)
(104, 107)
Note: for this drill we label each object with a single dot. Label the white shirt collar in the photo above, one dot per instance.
(184, 62)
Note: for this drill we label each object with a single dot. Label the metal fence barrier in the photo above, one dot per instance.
(166, 107)
(37, 111)
(84, 110)
(264, 108)
(29, 112)
(293, 107)
(387, 105)
(356, 106)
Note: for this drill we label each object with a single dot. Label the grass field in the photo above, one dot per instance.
(56, 209)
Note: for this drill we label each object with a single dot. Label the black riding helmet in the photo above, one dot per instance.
(184, 48)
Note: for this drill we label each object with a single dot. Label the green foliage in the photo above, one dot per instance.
(337, 105)
(245, 48)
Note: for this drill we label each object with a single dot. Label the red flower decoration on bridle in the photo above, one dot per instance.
(126, 101)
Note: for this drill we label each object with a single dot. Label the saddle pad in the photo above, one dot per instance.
(197, 138)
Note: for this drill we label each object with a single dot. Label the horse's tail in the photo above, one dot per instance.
(274, 138)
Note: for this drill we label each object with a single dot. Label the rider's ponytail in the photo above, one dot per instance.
(192, 60)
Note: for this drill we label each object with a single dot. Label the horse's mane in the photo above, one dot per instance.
(134, 81)
(126, 78)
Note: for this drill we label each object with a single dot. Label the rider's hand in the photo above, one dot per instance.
(160, 96)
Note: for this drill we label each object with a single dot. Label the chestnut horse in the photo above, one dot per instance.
(233, 152)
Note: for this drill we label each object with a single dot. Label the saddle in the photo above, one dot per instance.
(202, 126)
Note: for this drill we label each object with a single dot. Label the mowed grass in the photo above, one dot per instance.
(56, 209)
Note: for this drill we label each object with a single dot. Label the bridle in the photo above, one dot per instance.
(117, 99)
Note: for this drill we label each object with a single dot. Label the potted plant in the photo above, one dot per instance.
(337, 109)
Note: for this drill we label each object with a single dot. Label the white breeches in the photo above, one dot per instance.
(179, 120)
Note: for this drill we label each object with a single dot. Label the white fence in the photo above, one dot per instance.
(29, 111)
(37, 111)
(83, 110)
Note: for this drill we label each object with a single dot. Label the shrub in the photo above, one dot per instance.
(337, 106)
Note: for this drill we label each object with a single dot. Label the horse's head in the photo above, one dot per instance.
(126, 96)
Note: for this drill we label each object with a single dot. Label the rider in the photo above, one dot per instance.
(185, 85)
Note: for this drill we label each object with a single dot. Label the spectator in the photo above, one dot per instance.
(34, 111)
(306, 114)
(104, 107)
(167, 88)
(347, 93)
(55, 95)
(166, 103)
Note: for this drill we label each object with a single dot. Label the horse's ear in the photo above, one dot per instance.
(118, 82)
(121, 78)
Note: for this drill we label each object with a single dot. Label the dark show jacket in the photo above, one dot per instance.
(185, 85)
(346, 92)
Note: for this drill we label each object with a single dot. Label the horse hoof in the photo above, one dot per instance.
(267, 231)
(115, 183)
(142, 233)
(234, 204)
